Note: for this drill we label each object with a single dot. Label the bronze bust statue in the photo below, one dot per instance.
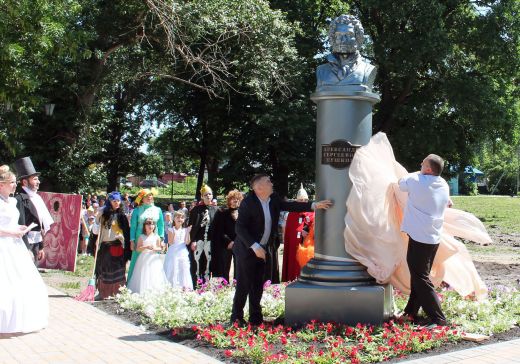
(345, 65)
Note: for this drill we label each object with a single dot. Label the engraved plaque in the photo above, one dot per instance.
(338, 154)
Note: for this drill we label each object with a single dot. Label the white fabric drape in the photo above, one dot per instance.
(374, 213)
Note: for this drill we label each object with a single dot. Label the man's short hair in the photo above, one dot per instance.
(256, 178)
(436, 164)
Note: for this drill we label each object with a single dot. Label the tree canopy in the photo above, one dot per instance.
(227, 84)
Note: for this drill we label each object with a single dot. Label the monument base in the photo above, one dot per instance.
(349, 305)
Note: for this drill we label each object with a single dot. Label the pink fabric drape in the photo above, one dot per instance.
(374, 213)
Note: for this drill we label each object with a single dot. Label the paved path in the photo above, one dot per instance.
(500, 353)
(80, 333)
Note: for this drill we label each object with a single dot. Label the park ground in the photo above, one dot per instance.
(497, 263)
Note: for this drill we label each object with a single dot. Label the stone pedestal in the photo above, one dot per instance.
(333, 286)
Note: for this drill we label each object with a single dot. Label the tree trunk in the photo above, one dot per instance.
(212, 164)
(280, 175)
(200, 175)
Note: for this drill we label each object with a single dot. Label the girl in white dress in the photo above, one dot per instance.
(24, 305)
(177, 261)
(148, 273)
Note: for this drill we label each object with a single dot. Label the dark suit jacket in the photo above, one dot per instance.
(250, 228)
(250, 223)
(28, 214)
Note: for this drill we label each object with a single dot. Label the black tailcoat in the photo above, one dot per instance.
(28, 215)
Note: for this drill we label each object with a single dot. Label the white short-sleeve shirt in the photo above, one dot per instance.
(428, 197)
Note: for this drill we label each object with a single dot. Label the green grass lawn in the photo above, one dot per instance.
(499, 213)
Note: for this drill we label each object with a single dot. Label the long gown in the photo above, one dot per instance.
(148, 271)
(177, 261)
(375, 210)
(24, 305)
(139, 215)
(291, 242)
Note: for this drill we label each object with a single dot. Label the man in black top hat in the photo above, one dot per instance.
(32, 208)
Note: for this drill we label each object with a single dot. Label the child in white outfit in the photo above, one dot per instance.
(148, 272)
(177, 262)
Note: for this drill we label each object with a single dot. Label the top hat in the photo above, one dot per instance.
(24, 168)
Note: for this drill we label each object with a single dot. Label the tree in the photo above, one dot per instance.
(447, 74)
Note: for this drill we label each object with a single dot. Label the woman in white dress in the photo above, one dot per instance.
(148, 271)
(24, 305)
(177, 261)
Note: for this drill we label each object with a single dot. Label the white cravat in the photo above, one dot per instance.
(44, 216)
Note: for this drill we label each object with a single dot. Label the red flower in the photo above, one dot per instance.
(228, 353)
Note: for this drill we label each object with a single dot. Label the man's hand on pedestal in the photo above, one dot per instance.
(325, 204)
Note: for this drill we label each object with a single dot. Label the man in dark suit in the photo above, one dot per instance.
(254, 247)
(32, 208)
(202, 244)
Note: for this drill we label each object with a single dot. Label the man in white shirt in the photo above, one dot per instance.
(428, 197)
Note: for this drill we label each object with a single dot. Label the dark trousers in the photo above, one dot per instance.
(35, 249)
(227, 256)
(420, 258)
(250, 282)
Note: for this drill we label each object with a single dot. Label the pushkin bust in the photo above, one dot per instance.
(345, 65)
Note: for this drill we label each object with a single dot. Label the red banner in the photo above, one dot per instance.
(61, 242)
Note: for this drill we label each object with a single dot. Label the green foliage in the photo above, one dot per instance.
(230, 83)
(501, 162)
(446, 74)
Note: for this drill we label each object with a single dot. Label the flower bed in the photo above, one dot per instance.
(201, 313)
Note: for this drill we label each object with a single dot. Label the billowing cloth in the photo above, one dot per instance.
(374, 213)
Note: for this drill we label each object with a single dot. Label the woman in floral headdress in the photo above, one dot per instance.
(144, 210)
(114, 236)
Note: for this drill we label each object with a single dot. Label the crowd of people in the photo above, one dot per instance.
(129, 236)
(197, 241)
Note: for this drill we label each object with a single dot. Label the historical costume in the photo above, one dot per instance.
(145, 210)
(177, 261)
(24, 305)
(32, 208)
(148, 272)
(296, 226)
(373, 226)
(305, 251)
(224, 233)
(201, 222)
(114, 237)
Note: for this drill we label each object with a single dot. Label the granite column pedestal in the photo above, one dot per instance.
(333, 286)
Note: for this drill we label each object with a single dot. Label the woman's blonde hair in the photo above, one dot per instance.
(234, 194)
(6, 174)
